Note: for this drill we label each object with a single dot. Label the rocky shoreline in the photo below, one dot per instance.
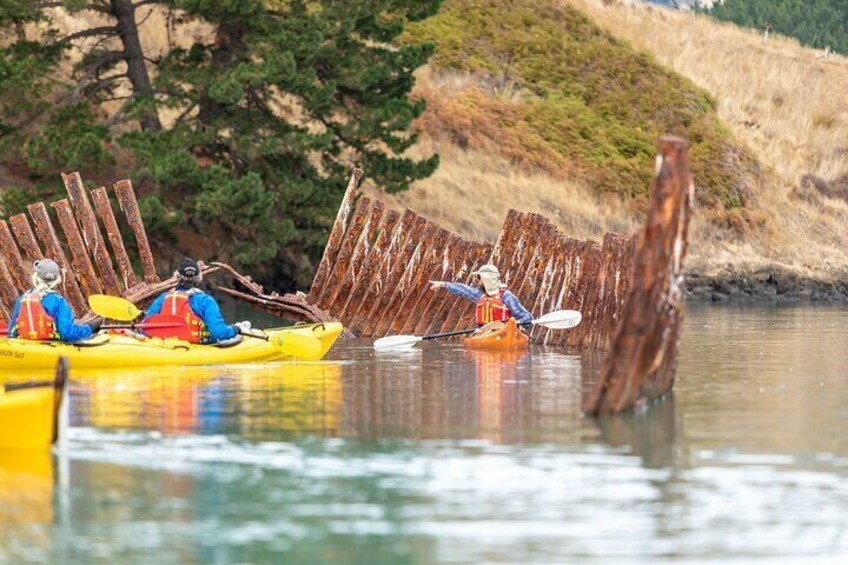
(767, 284)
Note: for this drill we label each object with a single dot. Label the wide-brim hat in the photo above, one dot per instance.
(489, 269)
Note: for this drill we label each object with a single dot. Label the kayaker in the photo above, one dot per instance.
(494, 302)
(200, 311)
(44, 314)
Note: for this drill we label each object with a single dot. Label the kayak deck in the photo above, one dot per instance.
(307, 343)
(498, 336)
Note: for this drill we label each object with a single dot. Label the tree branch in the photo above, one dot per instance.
(91, 32)
(92, 7)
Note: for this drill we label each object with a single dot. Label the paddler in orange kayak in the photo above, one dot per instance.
(494, 302)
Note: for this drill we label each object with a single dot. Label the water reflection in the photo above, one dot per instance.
(26, 503)
(448, 392)
(445, 455)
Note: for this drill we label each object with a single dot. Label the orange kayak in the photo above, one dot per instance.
(498, 336)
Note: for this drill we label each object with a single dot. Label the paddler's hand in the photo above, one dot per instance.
(436, 285)
(243, 327)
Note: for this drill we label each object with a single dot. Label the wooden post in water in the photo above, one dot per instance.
(641, 364)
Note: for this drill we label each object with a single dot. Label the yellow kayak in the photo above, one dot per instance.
(29, 412)
(307, 343)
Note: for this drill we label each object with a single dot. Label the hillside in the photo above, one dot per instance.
(754, 133)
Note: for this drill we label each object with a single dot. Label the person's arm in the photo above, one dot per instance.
(13, 322)
(468, 292)
(156, 307)
(522, 316)
(63, 318)
(208, 310)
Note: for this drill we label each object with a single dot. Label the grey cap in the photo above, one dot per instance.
(47, 270)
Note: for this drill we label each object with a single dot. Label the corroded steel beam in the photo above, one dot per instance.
(334, 242)
(89, 280)
(641, 364)
(359, 258)
(129, 205)
(348, 243)
(371, 265)
(91, 232)
(12, 257)
(26, 239)
(384, 251)
(113, 233)
(8, 291)
(47, 234)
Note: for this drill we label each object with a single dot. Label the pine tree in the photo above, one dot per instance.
(248, 134)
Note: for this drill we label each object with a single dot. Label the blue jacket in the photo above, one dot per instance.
(518, 311)
(63, 317)
(207, 309)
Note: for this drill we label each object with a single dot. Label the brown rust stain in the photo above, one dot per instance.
(113, 233)
(91, 232)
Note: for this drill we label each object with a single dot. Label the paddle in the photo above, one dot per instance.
(559, 320)
(113, 307)
(118, 308)
(163, 322)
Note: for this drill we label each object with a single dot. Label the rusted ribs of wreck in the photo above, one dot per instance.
(376, 268)
(78, 246)
(375, 272)
(90, 264)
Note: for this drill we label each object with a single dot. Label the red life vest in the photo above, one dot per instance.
(491, 309)
(33, 320)
(176, 303)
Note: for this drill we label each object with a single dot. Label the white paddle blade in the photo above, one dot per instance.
(396, 342)
(559, 320)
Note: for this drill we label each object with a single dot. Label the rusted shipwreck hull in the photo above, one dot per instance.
(377, 263)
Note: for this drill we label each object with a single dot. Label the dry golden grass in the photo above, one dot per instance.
(479, 180)
(473, 189)
(784, 101)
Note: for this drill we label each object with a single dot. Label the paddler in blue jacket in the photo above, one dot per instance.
(199, 310)
(494, 302)
(44, 314)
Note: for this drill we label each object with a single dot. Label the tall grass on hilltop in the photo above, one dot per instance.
(551, 91)
(473, 189)
(786, 102)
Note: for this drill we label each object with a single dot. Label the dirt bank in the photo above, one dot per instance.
(770, 283)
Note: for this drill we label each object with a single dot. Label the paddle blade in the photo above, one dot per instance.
(113, 307)
(559, 320)
(396, 342)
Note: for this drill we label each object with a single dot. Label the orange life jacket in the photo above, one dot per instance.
(33, 320)
(176, 303)
(491, 309)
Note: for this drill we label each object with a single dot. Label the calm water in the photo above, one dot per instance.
(443, 456)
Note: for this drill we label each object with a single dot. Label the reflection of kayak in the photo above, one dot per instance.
(498, 336)
(308, 343)
(28, 413)
(253, 399)
(26, 498)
